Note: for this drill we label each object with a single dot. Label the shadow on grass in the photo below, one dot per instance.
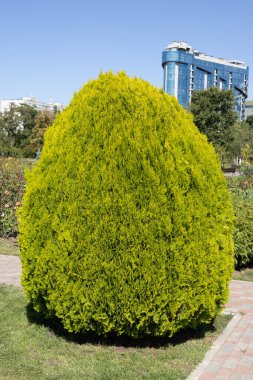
(56, 327)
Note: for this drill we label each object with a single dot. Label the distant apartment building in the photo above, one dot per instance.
(6, 104)
(248, 108)
(187, 70)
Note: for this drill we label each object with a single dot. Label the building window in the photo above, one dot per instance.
(215, 77)
(230, 83)
(191, 82)
(205, 81)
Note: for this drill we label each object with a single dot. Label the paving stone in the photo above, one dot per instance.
(242, 370)
(206, 376)
(224, 374)
(231, 362)
(236, 376)
(214, 367)
(249, 376)
(246, 360)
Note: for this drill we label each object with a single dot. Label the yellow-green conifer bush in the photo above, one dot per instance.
(126, 224)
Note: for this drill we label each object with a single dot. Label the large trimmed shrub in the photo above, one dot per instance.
(126, 224)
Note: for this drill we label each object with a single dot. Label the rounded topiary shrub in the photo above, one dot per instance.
(126, 224)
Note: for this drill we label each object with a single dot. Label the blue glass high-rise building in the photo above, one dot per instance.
(187, 70)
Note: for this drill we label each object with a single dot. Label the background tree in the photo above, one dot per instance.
(240, 135)
(214, 114)
(27, 115)
(249, 121)
(10, 126)
(22, 129)
(246, 152)
(42, 121)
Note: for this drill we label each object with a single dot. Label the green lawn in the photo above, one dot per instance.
(31, 350)
(9, 247)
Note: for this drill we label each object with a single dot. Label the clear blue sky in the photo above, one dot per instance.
(50, 48)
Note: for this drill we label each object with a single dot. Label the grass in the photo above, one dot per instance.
(27, 162)
(9, 247)
(244, 274)
(32, 349)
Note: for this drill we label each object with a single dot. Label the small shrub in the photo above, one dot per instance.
(242, 195)
(12, 186)
(247, 170)
(126, 224)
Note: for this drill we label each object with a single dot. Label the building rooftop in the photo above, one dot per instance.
(182, 45)
(31, 101)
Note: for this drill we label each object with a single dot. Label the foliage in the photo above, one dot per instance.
(247, 170)
(21, 130)
(241, 186)
(242, 192)
(28, 115)
(246, 152)
(243, 235)
(126, 224)
(42, 121)
(214, 114)
(249, 120)
(12, 186)
(240, 136)
(10, 123)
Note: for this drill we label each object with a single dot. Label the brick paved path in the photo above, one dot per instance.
(231, 356)
(10, 270)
